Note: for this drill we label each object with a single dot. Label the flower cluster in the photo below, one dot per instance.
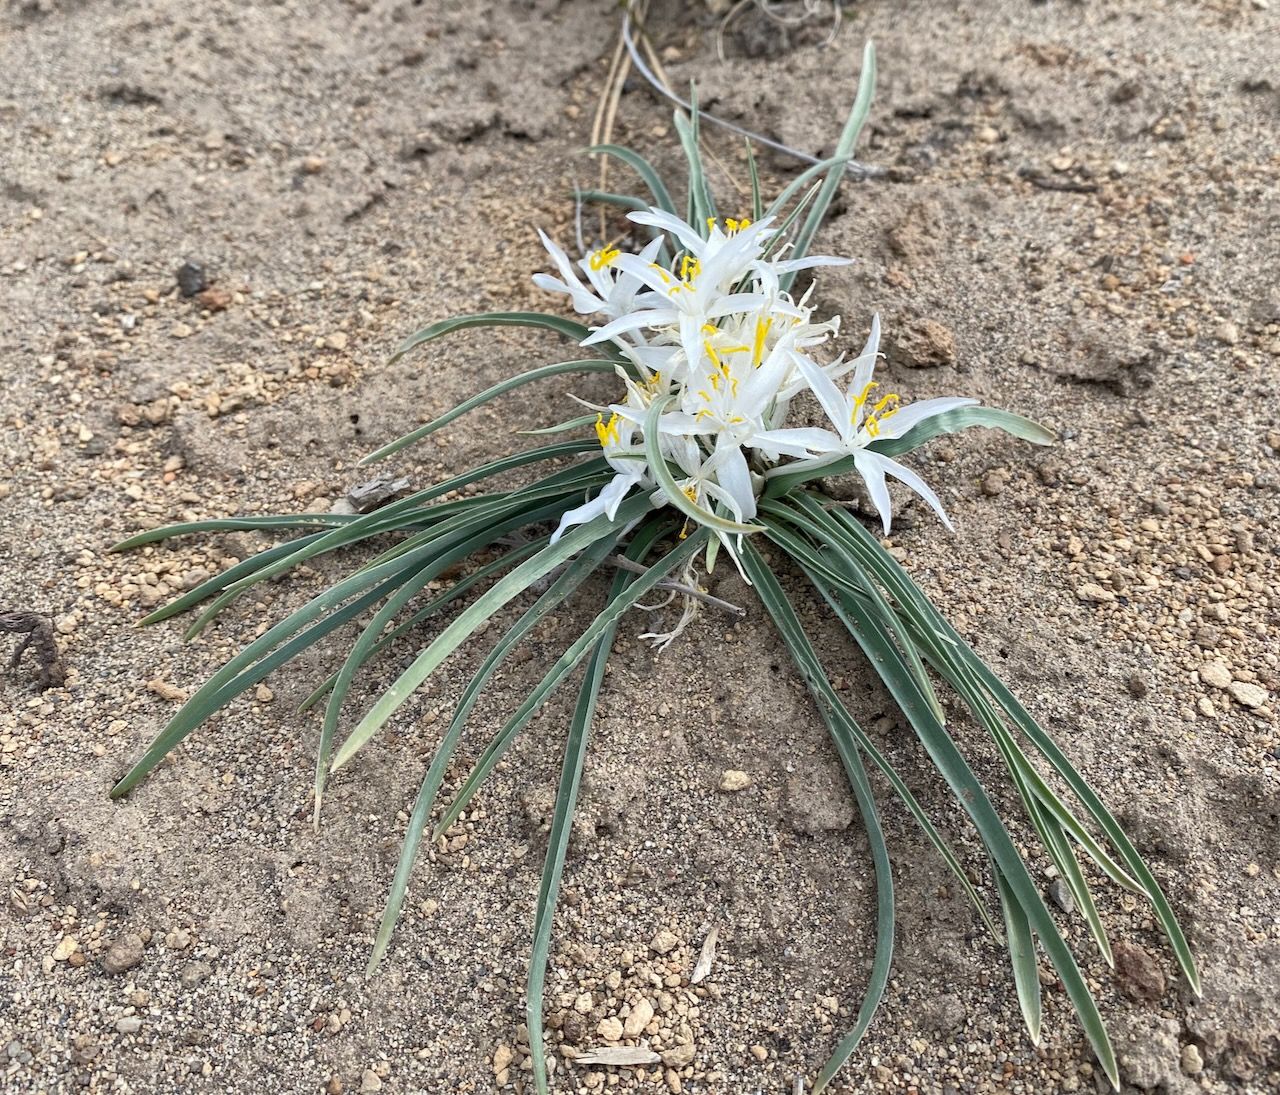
(716, 338)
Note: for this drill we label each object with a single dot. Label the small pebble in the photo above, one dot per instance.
(734, 780)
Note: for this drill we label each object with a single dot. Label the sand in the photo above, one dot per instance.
(1080, 224)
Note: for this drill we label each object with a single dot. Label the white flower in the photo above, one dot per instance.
(727, 350)
(860, 416)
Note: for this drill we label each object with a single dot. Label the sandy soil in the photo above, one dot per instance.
(347, 171)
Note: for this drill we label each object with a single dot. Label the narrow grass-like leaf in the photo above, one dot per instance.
(234, 524)
(796, 185)
(575, 754)
(962, 418)
(437, 604)
(844, 149)
(474, 535)
(573, 576)
(581, 422)
(872, 636)
(757, 203)
(643, 168)
(505, 589)
(701, 206)
(589, 365)
(567, 327)
(1022, 956)
(844, 733)
(563, 666)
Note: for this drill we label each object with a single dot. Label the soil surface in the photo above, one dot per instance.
(1081, 222)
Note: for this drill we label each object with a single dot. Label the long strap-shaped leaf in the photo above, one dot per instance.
(841, 727)
(505, 589)
(643, 168)
(437, 604)
(510, 384)
(812, 564)
(575, 754)
(563, 666)
(573, 576)
(871, 635)
(662, 474)
(844, 150)
(567, 327)
(1048, 748)
(476, 534)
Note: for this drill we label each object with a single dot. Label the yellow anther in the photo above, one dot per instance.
(711, 224)
(604, 257)
(608, 433)
(710, 329)
(690, 268)
(762, 332)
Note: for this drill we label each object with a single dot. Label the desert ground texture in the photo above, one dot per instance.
(1079, 221)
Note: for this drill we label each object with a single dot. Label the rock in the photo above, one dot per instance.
(65, 948)
(1091, 591)
(1137, 685)
(1216, 675)
(337, 340)
(130, 1024)
(125, 953)
(760, 1053)
(815, 804)
(640, 1017)
(610, 1029)
(994, 483)
(1138, 973)
(166, 691)
(1149, 1056)
(1250, 695)
(179, 939)
(923, 344)
(680, 1055)
(664, 942)
(1227, 333)
(1192, 1063)
(191, 278)
(214, 300)
(313, 165)
(734, 780)
(370, 1081)
(502, 1057)
(1060, 895)
(195, 973)
(944, 1014)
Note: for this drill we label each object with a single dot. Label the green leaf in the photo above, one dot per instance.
(844, 150)
(468, 537)
(575, 754)
(757, 206)
(1022, 955)
(234, 524)
(961, 419)
(574, 574)
(845, 734)
(505, 589)
(436, 604)
(701, 206)
(581, 422)
(646, 171)
(662, 475)
(567, 327)
(801, 181)
(562, 668)
(501, 388)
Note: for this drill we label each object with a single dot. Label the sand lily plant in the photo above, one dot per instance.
(702, 455)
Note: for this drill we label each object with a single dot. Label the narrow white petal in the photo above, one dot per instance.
(914, 413)
(904, 474)
(871, 467)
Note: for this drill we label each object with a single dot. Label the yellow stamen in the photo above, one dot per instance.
(690, 268)
(604, 257)
(608, 433)
(762, 332)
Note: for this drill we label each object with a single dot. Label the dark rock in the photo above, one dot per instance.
(1060, 895)
(192, 279)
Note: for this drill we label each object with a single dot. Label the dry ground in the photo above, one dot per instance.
(347, 171)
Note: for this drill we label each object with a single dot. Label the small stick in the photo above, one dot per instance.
(623, 563)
